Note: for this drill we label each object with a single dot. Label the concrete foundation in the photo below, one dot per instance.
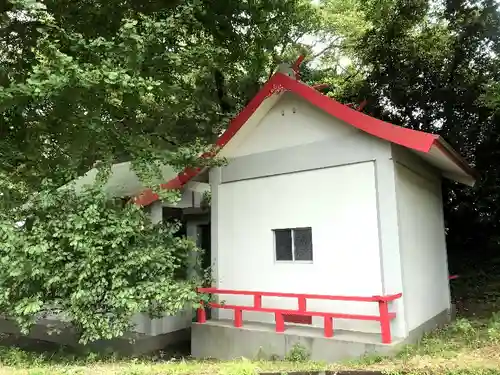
(132, 344)
(219, 339)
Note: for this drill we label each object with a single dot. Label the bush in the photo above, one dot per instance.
(94, 261)
(298, 353)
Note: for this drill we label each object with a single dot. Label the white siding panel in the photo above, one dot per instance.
(423, 247)
(339, 204)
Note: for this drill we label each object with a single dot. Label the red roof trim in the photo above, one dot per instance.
(271, 87)
(409, 138)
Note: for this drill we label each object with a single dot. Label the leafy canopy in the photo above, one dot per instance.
(433, 66)
(91, 83)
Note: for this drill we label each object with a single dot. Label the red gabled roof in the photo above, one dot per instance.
(411, 139)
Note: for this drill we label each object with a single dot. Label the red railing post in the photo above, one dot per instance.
(328, 326)
(385, 321)
(281, 315)
(257, 301)
(280, 322)
(302, 304)
(238, 318)
(201, 315)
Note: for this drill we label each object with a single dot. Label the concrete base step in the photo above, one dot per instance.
(219, 339)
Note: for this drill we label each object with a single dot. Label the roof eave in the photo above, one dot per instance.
(411, 139)
(470, 174)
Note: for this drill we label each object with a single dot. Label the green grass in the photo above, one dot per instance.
(468, 346)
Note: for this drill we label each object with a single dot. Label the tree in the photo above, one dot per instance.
(114, 81)
(90, 83)
(433, 66)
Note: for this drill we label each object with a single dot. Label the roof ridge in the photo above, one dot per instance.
(416, 140)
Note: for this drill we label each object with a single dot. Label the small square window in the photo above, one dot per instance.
(294, 244)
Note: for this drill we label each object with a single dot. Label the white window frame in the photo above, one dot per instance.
(275, 257)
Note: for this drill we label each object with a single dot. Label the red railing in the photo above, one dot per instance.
(384, 316)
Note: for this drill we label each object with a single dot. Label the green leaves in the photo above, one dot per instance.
(120, 81)
(433, 66)
(93, 83)
(83, 97)
(94, 260)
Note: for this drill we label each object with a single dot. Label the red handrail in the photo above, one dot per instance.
(384, 316)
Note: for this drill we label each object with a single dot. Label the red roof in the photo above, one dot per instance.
(418, 141)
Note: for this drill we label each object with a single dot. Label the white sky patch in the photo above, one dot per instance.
(318, 45)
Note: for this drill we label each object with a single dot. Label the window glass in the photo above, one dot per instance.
(302, 244)
(283, 244)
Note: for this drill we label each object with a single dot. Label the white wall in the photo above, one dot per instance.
(392, 277)
(153, 327)
(422, 246)
(339, 203)
(291, 122)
